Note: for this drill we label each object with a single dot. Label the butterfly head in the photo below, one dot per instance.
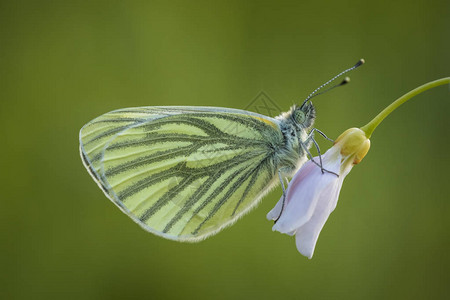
(304, 116)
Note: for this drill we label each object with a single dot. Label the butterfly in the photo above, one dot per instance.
(183, 172)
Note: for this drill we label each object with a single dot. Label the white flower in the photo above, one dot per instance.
(312, 195)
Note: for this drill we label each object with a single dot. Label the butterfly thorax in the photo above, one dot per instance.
(295, 125)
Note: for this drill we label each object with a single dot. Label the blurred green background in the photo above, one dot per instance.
(62, 63)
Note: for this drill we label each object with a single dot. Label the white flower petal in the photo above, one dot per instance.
(338, 190)
(342, 175)
(304, 190)
(300, 209)
(275, 212)
(307, 235)
(292, 233)
(306, 169)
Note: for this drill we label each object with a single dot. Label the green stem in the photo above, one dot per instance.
(370, 127)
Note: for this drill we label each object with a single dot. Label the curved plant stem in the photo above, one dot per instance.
(370, 127)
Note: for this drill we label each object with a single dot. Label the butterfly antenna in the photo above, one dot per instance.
(346, 80)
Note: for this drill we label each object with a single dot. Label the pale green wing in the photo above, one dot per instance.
(182, 173)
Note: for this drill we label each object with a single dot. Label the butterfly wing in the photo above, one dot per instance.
(183, 173)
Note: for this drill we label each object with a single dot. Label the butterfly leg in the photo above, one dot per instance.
(284, 194)
(320, 132)
(320, 163)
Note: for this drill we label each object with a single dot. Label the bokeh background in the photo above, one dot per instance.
(62, 63)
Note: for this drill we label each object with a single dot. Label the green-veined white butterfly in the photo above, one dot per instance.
(185, 173)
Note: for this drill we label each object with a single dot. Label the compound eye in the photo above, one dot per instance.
(299, 116)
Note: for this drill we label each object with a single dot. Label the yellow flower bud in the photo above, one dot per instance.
(354, 144)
